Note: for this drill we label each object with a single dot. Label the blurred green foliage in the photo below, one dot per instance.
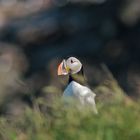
(118, 118)
(115, 121)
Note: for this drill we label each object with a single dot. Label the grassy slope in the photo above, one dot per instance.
(114, 122)
(118, 119)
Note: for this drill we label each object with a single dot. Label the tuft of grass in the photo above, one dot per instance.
(114, 122)
(118, 118)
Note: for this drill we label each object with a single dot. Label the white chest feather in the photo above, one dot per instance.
(81, 93)
(75, 89)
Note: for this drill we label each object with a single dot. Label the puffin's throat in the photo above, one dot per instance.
(78, 77)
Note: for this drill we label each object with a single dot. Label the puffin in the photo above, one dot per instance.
(77, 88)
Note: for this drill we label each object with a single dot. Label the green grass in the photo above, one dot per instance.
(115, 121)
(118, 118)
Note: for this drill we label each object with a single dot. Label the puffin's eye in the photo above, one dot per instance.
(72, 61)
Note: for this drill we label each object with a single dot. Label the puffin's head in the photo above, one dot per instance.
(69, 66)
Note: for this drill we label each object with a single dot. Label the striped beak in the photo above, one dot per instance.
(62, 68)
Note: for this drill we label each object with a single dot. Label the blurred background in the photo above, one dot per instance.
(35, 35)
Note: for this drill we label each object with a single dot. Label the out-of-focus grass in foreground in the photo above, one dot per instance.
(118, 118)
(115, 121)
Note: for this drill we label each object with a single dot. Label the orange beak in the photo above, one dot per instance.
(62, 70)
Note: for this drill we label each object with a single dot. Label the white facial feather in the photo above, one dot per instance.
(74, 64)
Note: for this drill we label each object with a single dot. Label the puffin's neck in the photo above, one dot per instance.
(78, 77)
